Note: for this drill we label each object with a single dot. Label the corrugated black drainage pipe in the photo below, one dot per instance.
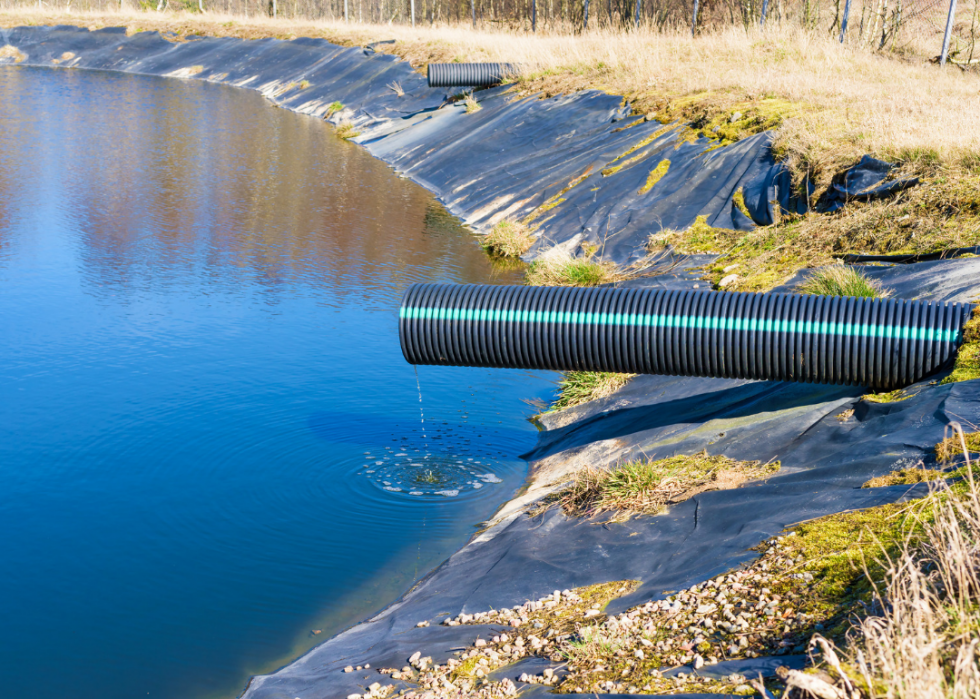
(880, 343)
(469, 74)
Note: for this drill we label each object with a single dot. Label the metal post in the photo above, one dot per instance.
(534, 15)
(694, 19)
(639, 4)
(413, 14)
(765, 10)
(473, 10)
(346, 19)
(586, 24)
(843, 24)
(949, 30)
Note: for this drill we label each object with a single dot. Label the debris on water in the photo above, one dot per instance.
(489, 478)
(448, 493)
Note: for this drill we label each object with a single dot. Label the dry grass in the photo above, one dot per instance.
(508, 239)
(838, 280)
(470, 104)
(647, 487)
(834, 103)
(924, 642)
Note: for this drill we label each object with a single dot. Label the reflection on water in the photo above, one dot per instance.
(210, 445)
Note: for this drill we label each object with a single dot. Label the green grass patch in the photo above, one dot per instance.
(334, 108)
(839, 280)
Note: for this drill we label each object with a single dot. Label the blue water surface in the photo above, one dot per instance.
(210, 445)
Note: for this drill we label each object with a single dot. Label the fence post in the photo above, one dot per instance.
(639, 4)
(413, 14)
(473, 11)
(843, 24)
(585, 25)
(694, 19)
(765, 10)
(949, 31)
(346, 19)
(534, 15)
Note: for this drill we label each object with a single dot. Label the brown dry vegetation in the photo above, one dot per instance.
(832, 103)
(647, 487)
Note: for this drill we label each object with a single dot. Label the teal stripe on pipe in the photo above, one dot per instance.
(660, 321)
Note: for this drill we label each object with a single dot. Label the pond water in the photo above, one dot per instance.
(210, 445)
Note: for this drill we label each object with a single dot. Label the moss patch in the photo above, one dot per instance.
(647, 487)
(899, 394)
(656, 174)
(905, 476)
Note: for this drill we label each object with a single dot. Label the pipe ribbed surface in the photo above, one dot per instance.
(469, 74)
(881, 343)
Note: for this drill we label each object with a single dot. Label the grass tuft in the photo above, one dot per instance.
(839, 280)
(951, 447)
(334, 108)
(347, 131)
(577, 387)
(558, 268)
(470, 103)
(647, 487)
(508, 239)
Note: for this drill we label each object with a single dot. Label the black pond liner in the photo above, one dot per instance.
(881, 343)
(469, 74)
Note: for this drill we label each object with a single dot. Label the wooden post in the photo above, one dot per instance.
(534, 15)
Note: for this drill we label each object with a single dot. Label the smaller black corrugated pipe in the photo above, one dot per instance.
(469, 74)
(880, 343)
